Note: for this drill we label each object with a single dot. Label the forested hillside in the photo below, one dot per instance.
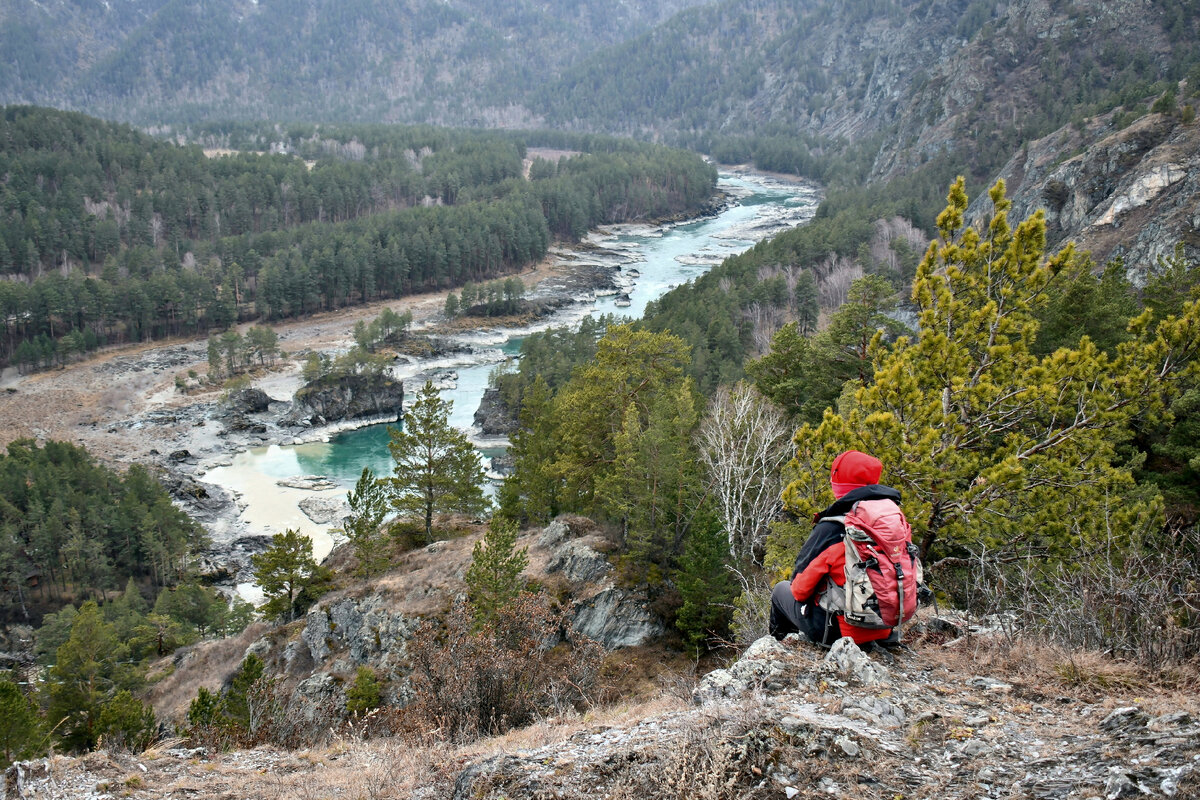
(110, 235)
(465, 61)
(789, 84)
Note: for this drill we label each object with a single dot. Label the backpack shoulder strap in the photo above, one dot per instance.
(840, 519)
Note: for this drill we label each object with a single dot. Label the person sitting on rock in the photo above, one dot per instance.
(795, 604)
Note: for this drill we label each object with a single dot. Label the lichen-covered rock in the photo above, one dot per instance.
(846, 659)
(617, 618)
(320, 697)
(578, 563)
(763, 662)
(555, 532)
(352, 632)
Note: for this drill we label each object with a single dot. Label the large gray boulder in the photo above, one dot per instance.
(332, 399)
(764, 662)
(493, 417)
(617, 618)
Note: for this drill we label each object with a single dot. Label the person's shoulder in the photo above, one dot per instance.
(879, 492)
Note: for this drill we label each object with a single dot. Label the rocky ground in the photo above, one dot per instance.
(783, 721)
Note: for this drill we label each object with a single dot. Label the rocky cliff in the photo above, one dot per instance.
(1132, 193)
(335, 398)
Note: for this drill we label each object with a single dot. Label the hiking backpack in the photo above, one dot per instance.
(883, 568)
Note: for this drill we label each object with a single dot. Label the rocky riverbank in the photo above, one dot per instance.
(125, 407)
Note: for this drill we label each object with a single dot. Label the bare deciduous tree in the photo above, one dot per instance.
(743, 443)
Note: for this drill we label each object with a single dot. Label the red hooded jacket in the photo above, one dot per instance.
(831, 563)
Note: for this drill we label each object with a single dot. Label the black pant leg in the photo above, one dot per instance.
(788, 616)
(785, 611)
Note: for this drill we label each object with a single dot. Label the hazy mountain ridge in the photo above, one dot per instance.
(360, 59)
(927, 77)
(974, 78)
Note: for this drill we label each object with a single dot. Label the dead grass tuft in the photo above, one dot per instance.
(1050, 668)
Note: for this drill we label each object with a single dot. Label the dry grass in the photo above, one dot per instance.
(1050, 669)
(208, 665)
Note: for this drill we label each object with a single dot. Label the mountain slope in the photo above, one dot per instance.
(350, 59)
(850, 91)
(922, 76)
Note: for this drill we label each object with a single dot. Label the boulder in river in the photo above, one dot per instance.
(493, 416)
(342, 397)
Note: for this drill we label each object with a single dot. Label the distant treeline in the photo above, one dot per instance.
(107, 234)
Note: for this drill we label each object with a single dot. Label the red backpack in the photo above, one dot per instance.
(883, 567)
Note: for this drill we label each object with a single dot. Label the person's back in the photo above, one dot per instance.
(813, 602)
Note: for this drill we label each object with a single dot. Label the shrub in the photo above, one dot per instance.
(1135, 602)
(471, 683)
(365, 694)
(248, 712)
(126, 724)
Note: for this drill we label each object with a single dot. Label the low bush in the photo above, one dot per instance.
(472, 681)
(1137, 602)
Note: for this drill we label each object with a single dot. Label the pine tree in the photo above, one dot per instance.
(437, 470)
(993, 446)
(705, 585)
(289, 576)
(494, 576)
(531, 491)
(20, 727)
(368, 507)
(631, 367)
(83, 678)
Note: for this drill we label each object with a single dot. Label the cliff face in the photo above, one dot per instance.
(1132, 193)
(371, 624)
(331, 399)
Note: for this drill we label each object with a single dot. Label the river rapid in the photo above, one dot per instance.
(645, 261)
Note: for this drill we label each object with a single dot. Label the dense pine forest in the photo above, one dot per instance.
(109, 235)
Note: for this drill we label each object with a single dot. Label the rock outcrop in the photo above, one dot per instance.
(333, 399)
(493, 417)
(786, 720)
(789, 720)
(248, 401)
(611, 615)
(370, 624)
(350, 632)
(1132, 193)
